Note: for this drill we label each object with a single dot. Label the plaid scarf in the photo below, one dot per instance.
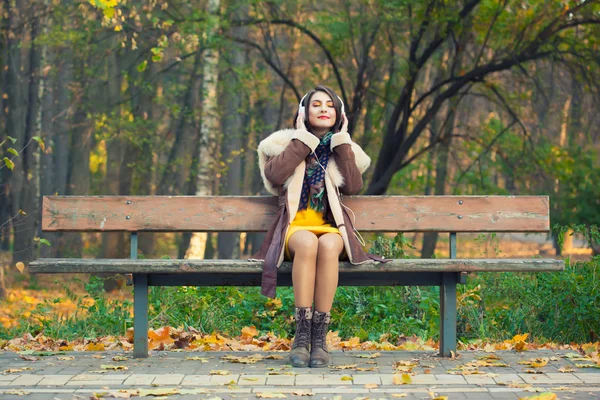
(313, 187)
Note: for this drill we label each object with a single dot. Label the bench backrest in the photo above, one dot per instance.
(255, 213)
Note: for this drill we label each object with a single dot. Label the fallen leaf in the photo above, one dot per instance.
(303, 393)
(348, 366)
(270, 395)
(533, 371)
(587, 366)
(28, 358)
(114, 367)
(542, 396)
(346, 378)
(368, 355)
(219, 372)
(250, 379)
(65, 358)
(398, 394)
(120, 358)
(158, 392)
(566, 368)
(16, 392)
(371, 386)
(94, 347)
(201, 359)
(403, 379)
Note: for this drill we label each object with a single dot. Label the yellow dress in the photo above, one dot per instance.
(309, 220)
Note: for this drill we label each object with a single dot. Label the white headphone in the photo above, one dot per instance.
(302, 109)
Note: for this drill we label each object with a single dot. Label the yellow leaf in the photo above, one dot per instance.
(270, 395)
(566, 369)
(542, 396)
(347, 366)
(201, 359)
(303, 393)
(403, 379)
(371, 386)
(114, 367)
(346, 378)
(219, 372)
(120, 358)
(249, 332)
(65, 358)
(20, 266)
(94, 347)
(158, 392)
(368, 355)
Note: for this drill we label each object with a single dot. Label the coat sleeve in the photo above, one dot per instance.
(346, 162)
(280, 167)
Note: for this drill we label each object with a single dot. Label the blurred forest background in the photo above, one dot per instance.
(160, 97)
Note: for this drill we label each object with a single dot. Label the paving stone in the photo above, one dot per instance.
(55, 380)
(168, 379)
(26, 380)
(450, 379)
(365, 379)
(588, 378)
(224, 379)
(563, 378)
(505, 378)
(140, 379)
(479, 380)
(284, 380)
(536, 378)
(201, 380)
(252, 380)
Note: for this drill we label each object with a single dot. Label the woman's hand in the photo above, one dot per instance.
(300, 121)
(344, 127)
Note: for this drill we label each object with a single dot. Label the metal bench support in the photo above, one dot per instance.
(140, 307)
(448, 306)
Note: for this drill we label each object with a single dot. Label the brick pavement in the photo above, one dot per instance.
(350, 376)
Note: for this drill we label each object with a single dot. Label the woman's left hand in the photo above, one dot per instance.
(344, 127)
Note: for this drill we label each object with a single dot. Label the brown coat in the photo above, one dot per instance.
(281, 158)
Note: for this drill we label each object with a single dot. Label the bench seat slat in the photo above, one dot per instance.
(256, 213)
(125, 266)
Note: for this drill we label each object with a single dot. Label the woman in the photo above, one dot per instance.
(309, 168)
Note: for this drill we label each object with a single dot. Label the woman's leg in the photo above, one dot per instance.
(331, 246)
(303, 246)
(303, 249)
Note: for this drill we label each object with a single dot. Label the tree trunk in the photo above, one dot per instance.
(232, 125)
(209, 130)
(112, 242)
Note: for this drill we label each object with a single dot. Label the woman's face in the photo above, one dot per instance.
(321, 113)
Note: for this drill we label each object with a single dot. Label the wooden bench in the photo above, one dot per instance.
(451, 214)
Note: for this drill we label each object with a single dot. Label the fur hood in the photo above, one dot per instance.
(276, 143)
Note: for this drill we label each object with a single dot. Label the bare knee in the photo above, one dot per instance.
(303, 244)
(330, 245)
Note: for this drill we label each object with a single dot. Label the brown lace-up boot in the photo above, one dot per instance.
(299, 356)
(319, 356)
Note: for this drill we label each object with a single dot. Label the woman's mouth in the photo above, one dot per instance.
(323, 117)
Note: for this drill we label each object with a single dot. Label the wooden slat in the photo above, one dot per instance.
(124, 266)
(248, 214)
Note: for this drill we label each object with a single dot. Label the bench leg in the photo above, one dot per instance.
(140, 316)
(448, 314)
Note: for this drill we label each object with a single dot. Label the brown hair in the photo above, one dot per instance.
(337, 104)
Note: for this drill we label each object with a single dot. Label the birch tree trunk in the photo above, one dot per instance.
(208, 151)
